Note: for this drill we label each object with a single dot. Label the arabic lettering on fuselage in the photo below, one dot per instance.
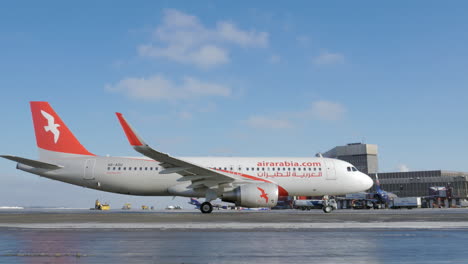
(289, 174)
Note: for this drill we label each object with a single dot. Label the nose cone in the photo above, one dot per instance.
(367, 182)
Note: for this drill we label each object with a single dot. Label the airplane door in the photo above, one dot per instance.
(89, 169)
(330, 170)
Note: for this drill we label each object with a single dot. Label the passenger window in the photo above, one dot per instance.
(146, 168)
(273, 169)
(151, 168)
(129, 168)
(247, 168)
(156, 168)
(108, 168)
(113, 168)
(141, 168)
(320, 169)
(119, 168)
(289, 169)
(125, 168)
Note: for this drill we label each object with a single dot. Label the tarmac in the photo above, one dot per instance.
(238, 220)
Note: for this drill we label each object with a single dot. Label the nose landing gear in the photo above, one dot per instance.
(329, 204)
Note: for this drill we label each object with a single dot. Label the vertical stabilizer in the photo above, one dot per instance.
(377, 184)
(52, 135)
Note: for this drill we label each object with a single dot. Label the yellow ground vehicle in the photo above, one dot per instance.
(99, 206)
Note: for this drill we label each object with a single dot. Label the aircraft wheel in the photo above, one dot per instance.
(327, 209)
(206, 207)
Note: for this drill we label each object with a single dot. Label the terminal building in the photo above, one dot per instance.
(404, 184)
(362, 156)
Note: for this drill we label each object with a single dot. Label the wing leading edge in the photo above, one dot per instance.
(199, 175)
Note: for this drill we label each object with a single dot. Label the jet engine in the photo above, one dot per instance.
(253, 195)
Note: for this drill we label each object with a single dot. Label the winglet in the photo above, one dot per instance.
(132, 137)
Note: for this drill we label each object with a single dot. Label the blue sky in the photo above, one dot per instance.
(243, 79)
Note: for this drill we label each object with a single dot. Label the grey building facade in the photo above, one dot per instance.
(403, 184)
(417, 183)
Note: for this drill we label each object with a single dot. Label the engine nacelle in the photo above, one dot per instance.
(253, 195)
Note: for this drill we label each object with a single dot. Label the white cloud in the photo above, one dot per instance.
(157, 87)
(303, 40)
(205, 56)
(327, 58)
(403, 168)
(184, 115)
(229, 32)
(269, 123)
(327, 110)
(184, 39)
(275, 59)
(319, 110)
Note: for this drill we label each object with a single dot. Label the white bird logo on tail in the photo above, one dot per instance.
(51, 126)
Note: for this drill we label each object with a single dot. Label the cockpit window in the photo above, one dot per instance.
(349, 168)
(354, 169)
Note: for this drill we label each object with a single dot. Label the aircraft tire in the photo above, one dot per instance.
(206, 207)
(327, 209)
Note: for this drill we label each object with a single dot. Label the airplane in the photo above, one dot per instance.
(173, 207)
(382, 197)
(215, 204)
(247, 182)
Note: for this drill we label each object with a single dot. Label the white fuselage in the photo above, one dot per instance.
(142, 176)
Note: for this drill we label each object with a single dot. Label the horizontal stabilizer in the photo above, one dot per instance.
(32, 163)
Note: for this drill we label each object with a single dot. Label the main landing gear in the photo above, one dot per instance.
(206, 207)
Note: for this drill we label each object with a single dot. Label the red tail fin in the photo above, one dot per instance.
(51, 132)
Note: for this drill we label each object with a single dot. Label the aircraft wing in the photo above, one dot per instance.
(199, 175)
